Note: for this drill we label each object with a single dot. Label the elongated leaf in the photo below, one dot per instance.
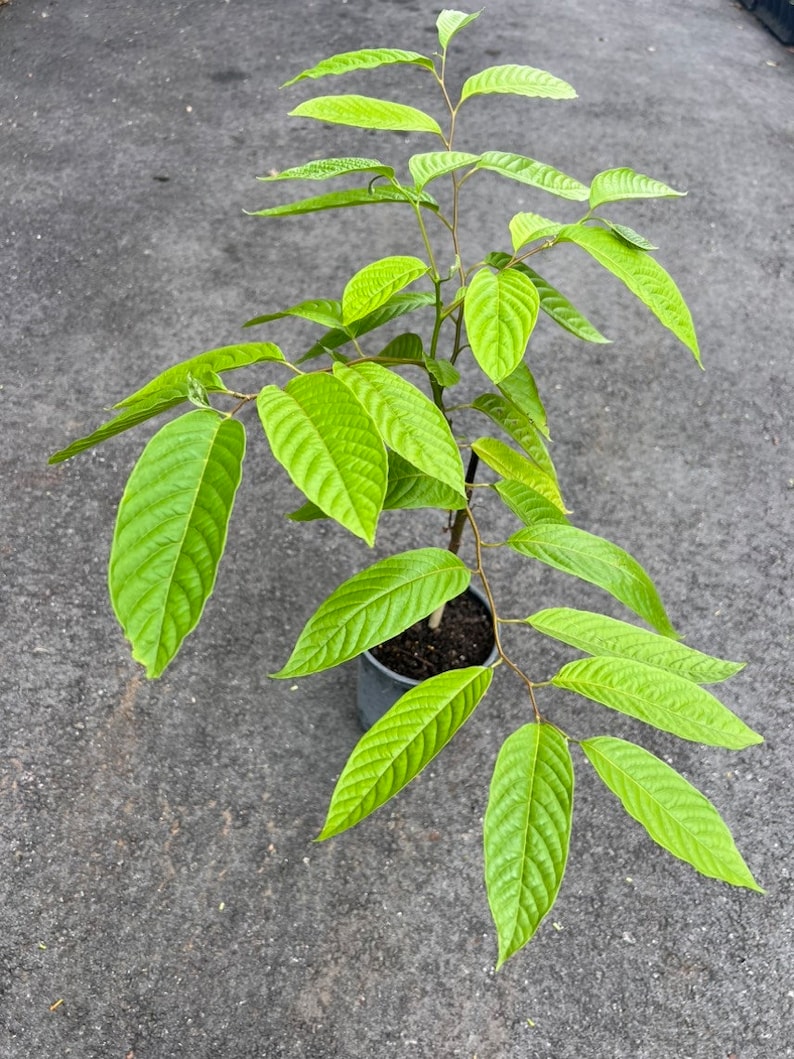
(500, 311)
(374, 285)
(673, 812)
(171, 531)
(643, 276)
(330, 447)
(512, 465)
(449, 23)
(408, 421)
(664, 700)
(598, 561)
(322, 311)
(527, 227)
(536, 174)
(426, 167)
(527, 504)
(399, 745)
(600, 635)
(398, 305)
(519, 388)
(336, 200)
(374, 605)
(516, 80)
(328, 168)
(615, 185)
(518, 426)
(365, 59)
(527, 831)
(628, 235)
(365, 112)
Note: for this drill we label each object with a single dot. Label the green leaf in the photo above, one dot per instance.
(365, 59)
(432, 164)
(519, 387)
(512, 465)
(364, 112)
(518, 426)
(328, 168)
(500, 311)
(536, 174)
(397, 305)
(600, 635)
(171, 531)
(449, 23)
(322, 311)
(643, 276)
(374, 605)
(330, 447)
(407, 420)
(336, 200)
(442, 371)
(628, 235)
(374, 285)
(516, 80)
(527, 831)
(407, 346)
(616, 185)
(598, 561)
(527, 504)
(673, 812)
(664, 700)
(527, 227)
(402, 743)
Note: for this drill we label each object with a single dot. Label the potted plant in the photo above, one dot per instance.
(364, 423)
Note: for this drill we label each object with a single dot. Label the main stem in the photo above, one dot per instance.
(456, 533)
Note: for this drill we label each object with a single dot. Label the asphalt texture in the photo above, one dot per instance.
(160, 892)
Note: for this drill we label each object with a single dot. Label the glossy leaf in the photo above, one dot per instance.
(364, 59)
(374, 285)
(432, 164)
(328, 168)
(330, 447)
(599, 635)
(527, 832)
(664, 700)
(673, 812)
(407, 346)
(450, 22)
(402, 743)
(527, 227)
(512, 465)
(518, 426)
(628, 235)
(520, 388)
(442, 371)
(616, 185)
(528, 504)
(398, 305)
(335, 200)
(322, 311)
(516, 80)
(365, 112)
(500, 311)
(536, 174)
(372, 606)
(171, 531)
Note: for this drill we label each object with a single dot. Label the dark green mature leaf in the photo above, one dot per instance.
(528, 504)
(374, 605)
(432, 164)
(442, 371)
(527, 227)
(598, 561)
(365, 112)
(516, 80)
(330, 447)
(500, 311)
(449, 23)
(171, 531)
(335, 200)
(616, 185)
(373, 286)
(518, 426)
(673, 812)
(600, 635)
(398, 305)
(527, 832)
(664, 700)
(328, 168)
(536, 174)
(402, 743)
(520, 388)
(407, 346)
(364, 59)
(512, 465)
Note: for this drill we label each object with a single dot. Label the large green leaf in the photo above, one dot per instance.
(600, 635)
(364, 59)
(512, 465)
(673, 812)
(330, 448)
(500, 311)
(323, 311)
(399, 745)
(518, 426)
(642, 274)
(171, 531)
(527, 227)
(328, 168)
(426, 167)
(516, 80)
(528, 504)
(335, 200)
(598, 561)
(449, 23)
(372, 286)
(536, 174)
(365, 112)
(527, 831)
(520, 388)
(398, 305)
(664, 700)
(374, 605)
(407, 421)
(615, 185)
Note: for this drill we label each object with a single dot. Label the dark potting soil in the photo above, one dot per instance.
(464, 638)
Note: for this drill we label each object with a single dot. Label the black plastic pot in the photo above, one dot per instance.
(778, 15)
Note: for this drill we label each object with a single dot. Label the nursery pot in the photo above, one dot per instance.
(379, 687)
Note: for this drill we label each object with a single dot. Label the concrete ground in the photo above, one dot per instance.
(160, 892)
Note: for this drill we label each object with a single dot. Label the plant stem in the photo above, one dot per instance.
(456, 532)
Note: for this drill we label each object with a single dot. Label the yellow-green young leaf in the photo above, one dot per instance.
(402, 742)
(500, 311)
(364, 112)
(598, 561)
(642, 274)
(329, 446)
(449, 23)
(336, 200)
(664, 700)
(527, 227)
(323, 311)
(519, 427)
(426, 167)
(527, 832)
(171, 531)
(374, 285)
(673, 812)
(600, 635)
(365, 59)
(374, 605)
(514, 80)
(628, 235)
(407, 420)
(520, 388)
(398, 305)
(615, 185)
(527, 504)
(328, 168)
(512, 465)
(536, 174)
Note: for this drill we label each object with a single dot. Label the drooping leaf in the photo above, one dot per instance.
(500, 311)
(372, 606)
(512, 465)
(365, 112)
(432, 164)
(599, 562)
(374, 285)
(171, 531)
(642, 274)
(527, 227)
(323, 311)
(330, 447)
(599, 635)
(515, 80)
(628, 235)
(673, 812)
(528, 504)
(364, 59)
(335, 200)
(328, 168)
(519, 388)
(615, 185)
(449, 23)
(664, 700)
(536, 174)
(398, 305)
(402, 742)
(518, 426)
(527, 832)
